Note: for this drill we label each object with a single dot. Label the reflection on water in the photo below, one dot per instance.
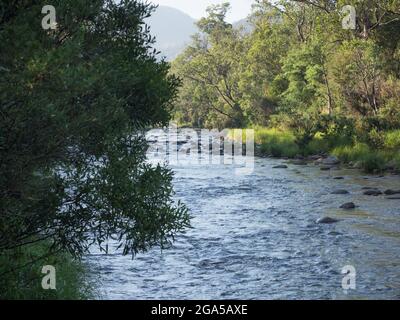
(255, 237)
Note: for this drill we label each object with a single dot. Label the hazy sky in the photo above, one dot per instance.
(197, 8)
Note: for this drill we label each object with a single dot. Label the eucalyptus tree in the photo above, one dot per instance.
(210, 68)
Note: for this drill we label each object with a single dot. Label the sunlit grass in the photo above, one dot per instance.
(282, 143)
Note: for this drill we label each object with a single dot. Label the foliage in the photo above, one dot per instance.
(362, 156)
(392, 140)
(21, 275)
(74, 103)
(275, 142)
(299, 70)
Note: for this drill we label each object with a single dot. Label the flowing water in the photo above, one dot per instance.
(255, 237)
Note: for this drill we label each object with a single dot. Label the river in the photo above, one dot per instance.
(255, 236)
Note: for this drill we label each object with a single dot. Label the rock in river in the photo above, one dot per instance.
(299, 162)
(327, 220)
(348, 206)
(281, 166)
(340, 191)
(393, 198)
(392, 192)
(373, 192)
(331, 161)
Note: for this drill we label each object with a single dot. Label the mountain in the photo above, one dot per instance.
(173, 30)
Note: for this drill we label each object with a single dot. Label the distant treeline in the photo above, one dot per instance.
(308, 67)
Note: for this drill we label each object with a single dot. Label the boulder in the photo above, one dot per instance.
(298, 162)
(373, 192)
(393, 198)
(338, 178)
(327, 220)
(313, 158)
(281, 166)
(348, 206)
(318, 161)
(340, 191)
(325, 168)
(392, 192)
(331, 161)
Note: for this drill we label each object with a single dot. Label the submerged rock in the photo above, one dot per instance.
(281, 166)
(340, 191)
(373, 192)
(327, 220)
(393, 198)
(298, 162)
(338, 178)
(392, 192)
(348, 206)
(314, 158)
(325, 168)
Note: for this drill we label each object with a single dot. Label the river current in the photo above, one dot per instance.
(255, 236)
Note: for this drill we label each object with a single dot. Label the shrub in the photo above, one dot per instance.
(276, 143)
(392, 140)
(21, 275)
(369, 160)
(351, 153)
(372, 162)
(319, 144)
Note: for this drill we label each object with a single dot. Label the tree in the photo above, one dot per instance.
(74, 103)
(372, 16)
(212, 63)
(358, 70)
(267, 44)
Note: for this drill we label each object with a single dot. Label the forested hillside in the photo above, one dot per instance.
(323, 84)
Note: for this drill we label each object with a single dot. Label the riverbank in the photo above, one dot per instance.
(331, 151)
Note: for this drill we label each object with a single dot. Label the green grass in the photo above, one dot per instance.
(276, 143)
(392, 140)
(282, 143)
(363, 156)
(352, 153)
(21, 277)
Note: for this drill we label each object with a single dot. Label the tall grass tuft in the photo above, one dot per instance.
(276, 143)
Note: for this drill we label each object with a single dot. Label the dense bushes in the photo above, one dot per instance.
(275, 142)
(21, 277)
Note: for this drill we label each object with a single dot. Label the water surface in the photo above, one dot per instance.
(255, 237)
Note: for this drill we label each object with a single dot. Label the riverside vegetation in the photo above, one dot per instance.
(302, 81)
